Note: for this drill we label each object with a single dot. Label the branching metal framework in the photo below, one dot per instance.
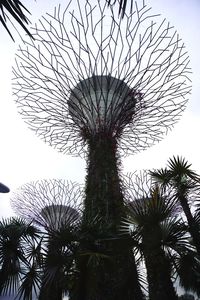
(49, 203)
(139, 187)
(140, 54)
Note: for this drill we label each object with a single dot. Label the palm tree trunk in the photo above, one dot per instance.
(158, 267)
(193, 229)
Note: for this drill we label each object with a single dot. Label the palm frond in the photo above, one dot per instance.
(16, 10)
(188, 268)
(122, 6)
(161, 176)
(30, 283)
(175, 235)
(180, 169)
(151, 210)
(9, 282)
(14, 242)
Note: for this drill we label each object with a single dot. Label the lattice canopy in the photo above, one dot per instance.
(139, 60)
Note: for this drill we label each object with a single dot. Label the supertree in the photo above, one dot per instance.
(56, 207)
(50, 204)
(89, 78)
(91, 83)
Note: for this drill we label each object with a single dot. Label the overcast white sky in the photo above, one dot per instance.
(24, 157)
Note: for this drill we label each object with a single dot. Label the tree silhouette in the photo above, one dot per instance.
(162, 237)
(17, 239)
(185, 182)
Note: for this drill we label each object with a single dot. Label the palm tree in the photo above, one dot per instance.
(146, 215)
(58, 266)
(162, 238)
(48, 264)
(185, 183)
(16, 239)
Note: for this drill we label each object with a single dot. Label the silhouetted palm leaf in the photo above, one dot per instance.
(30, 283)
(14, 237)
(188, 269)
(178, 171)
(122, 5)
(186, 185)
(14, 8)
(154, 209)
(175, 236)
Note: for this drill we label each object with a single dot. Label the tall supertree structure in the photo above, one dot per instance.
(91, 78)
(96, 84)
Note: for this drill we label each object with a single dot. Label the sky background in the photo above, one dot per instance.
(24, 157)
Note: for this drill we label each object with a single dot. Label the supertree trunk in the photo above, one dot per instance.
(103, 191)
(117, 279)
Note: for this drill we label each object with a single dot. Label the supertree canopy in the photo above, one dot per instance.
(51, 204)
(88, 69)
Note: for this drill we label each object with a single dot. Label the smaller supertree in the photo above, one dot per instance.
(54, 205)
(51, 204)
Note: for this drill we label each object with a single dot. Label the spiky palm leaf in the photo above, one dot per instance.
(163, 212)
(30, 283)
(14, 236)
(15, 9)
(152, 210)
(175, 237)
(186, 185)
(122, 5)
(180, 168)
(188, 269)
(161, 176)
(177, 172)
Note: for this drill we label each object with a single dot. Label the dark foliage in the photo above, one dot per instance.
(14, 9)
